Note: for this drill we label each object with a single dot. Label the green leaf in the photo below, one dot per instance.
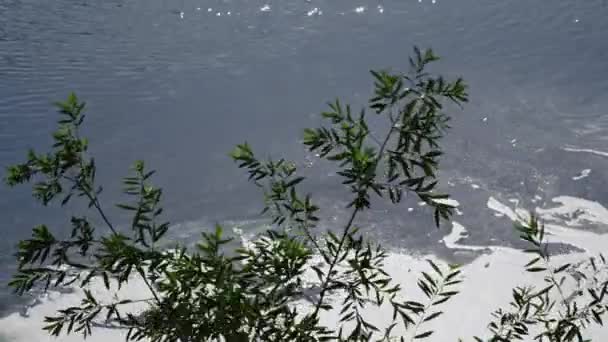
(423, 335)
(435, 267)
(433, 316)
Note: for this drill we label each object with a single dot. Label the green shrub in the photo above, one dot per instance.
(213, 293)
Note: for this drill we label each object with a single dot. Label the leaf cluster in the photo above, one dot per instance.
(254, 292)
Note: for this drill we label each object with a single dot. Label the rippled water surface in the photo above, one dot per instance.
(178, 83)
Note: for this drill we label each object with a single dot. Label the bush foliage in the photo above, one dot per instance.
(251, 293)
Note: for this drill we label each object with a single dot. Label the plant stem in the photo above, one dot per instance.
(143, 276)
(348, 226)
(94, 200)
(89, 189)
(335, 261)
(545, 257)
(426, 308)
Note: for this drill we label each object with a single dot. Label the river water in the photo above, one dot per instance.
(179, 82)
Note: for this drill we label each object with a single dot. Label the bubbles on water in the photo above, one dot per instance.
(265, 8)
(360, 9)
(314, 11)
(309, 161)
(209, 9)
(181, 15)
(380, 9)
(583, 174)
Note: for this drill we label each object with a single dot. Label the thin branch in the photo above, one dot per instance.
(334, 261)
(347, 229)
(94, 200)
(143, 276)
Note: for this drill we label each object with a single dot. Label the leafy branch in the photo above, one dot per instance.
(410, 147)
(553, 321)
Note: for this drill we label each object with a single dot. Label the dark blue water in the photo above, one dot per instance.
(178, 86)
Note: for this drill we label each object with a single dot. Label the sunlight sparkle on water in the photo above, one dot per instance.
(314, 11)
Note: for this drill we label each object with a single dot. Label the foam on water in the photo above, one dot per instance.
(575, 212)
(516, 214)
(586, 150)
(459, 232)
(584, 174)
(488, 280)
(27, 327)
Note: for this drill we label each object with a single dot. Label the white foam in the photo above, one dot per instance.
(536, 198)
(575, 211)
(360, 9)
(488, 282)
(586, 150)
(586, 212)
(265, 8)
(584, 173)
(16, 328)
(313, 12)
(514, 214)
(459, 232)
